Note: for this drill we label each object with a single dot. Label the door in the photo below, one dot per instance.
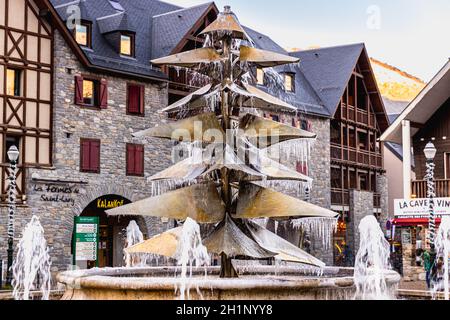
(118, 246)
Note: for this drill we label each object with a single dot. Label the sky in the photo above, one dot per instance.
(412, 35)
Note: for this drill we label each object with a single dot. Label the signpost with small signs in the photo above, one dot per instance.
(86, 239)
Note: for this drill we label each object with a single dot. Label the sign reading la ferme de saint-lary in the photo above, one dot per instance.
(420, 208)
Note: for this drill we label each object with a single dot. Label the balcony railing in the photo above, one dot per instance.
(354, 156)
(341, 197)
(357, 115)
(442, 186)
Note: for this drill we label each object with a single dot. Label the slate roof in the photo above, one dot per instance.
(320, 80)
(137, 16)
(329, 70)
(170, 28)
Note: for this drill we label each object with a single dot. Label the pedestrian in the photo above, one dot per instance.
(428, 265)
(348, 256)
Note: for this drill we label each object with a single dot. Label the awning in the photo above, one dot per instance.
(412, 222)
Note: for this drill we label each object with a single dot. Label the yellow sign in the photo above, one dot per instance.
(109, 204)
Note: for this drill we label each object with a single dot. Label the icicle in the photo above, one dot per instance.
(190, 252)
(322, 228)
(298, 189)
(134, 236)
(160, 187)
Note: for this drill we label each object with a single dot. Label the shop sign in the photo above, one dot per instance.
(104, 203)
(86, 238)
(64, 194)
(420, 208)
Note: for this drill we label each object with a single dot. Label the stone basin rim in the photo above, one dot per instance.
(139, 279)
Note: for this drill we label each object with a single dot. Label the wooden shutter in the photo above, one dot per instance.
(130, 159)
(302, 167)
(133, 99)
(139, 160)
(103, 94)
(85, 156)
(79, 90)
(94, 156)
(135, 160)
(142, 100)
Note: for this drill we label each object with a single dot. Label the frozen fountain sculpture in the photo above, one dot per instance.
(224, 180)
(31, 268)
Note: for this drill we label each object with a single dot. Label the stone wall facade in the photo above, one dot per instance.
(361, 205)
(382, 188)
(114, 128)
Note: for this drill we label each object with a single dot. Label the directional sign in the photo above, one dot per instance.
(86, 238)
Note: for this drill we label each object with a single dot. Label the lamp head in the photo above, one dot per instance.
(13, 153)
(430, 151)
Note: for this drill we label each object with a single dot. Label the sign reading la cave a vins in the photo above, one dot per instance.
(57, 193)
(419, 208)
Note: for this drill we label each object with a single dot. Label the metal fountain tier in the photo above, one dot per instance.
(222, 182)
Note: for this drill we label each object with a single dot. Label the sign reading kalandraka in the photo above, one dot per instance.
(86, 238)
(420, 208)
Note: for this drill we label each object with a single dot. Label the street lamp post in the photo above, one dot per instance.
(13, 155)
(430, 153)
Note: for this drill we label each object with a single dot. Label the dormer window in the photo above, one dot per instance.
(127, 44)
(289, 84)
(83, 34)
(260, 76)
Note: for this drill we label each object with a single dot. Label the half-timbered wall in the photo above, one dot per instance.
(26, 48)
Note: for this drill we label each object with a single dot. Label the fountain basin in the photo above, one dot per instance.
(254, 283)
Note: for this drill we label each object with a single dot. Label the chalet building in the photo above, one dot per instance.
(72, 92)
(71, 95)
(426, 119)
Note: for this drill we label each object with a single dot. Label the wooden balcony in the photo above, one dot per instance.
(419, 188)
(357, 115)
(341, 197)
(356, 157)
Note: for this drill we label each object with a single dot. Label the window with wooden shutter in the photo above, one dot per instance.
(135, 99)
(90, 156)
(135, 160)
(91, 92)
